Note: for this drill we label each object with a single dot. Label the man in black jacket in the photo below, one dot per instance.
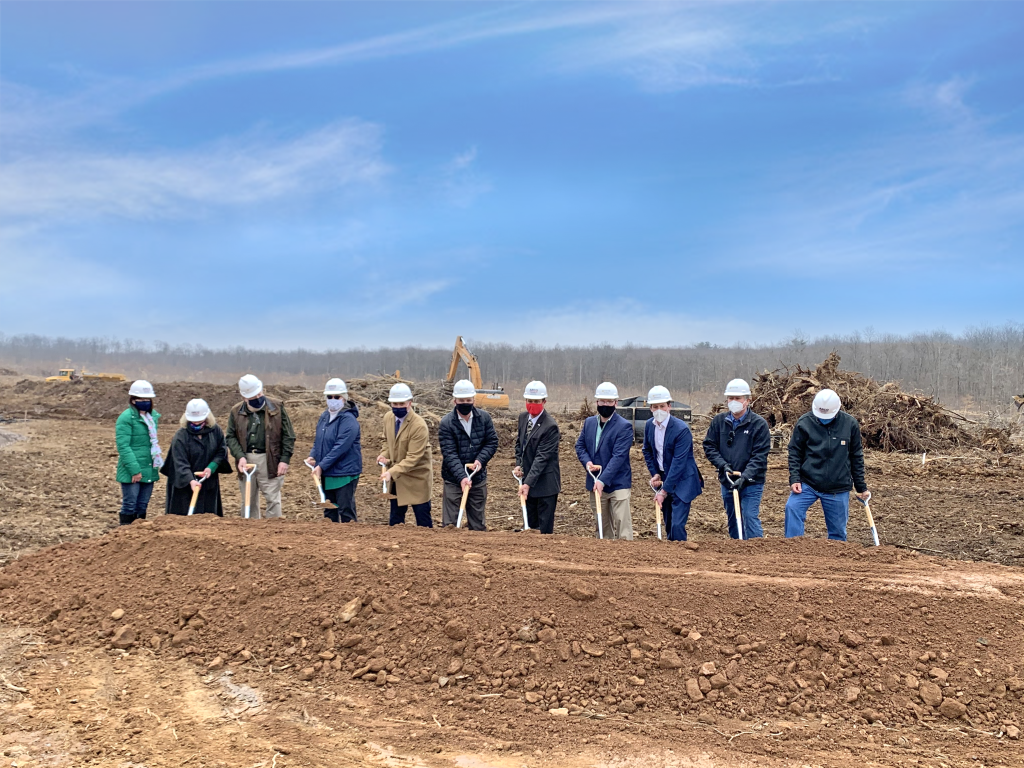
(737, 444)
(537, 459)
(826, 459)
(466, 436)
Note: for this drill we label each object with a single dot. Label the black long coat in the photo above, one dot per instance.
(190, 453)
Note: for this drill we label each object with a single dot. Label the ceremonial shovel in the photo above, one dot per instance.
(597, 498)
(248, 495)
(324, 503)
(465, 495)
(871, 519)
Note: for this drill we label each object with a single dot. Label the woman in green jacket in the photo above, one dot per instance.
(139, 455)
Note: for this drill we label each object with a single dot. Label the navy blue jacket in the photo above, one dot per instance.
(612, 454)
(681, 477)
(748, 454)
(336, 448)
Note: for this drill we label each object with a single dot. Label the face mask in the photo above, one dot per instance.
(606, 410)
(464, 408)
(735, 406)
(144, 405)
(257, 402)
(335, 405)
(826, 421)
(196, 426)
(534, 409)
(400, 413)
(660, 417)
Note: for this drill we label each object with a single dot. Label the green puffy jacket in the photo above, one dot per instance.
(132, 437)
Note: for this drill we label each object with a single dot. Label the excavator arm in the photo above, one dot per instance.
(463, 354)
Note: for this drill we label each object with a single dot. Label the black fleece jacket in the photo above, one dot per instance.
(828, 457)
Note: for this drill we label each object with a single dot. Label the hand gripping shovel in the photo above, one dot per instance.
(248, 487)
(384, 483)
(736, 507)
(324, 503)
(597, 498)
(522, 501)
(195, 494)
(871, 519)
(658, 516)
(465, 495)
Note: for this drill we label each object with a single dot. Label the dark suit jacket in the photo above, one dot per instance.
(682, 477)
(538, 456)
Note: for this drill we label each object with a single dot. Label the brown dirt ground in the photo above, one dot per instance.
(792, 626)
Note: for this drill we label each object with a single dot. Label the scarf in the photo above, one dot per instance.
(154, 446)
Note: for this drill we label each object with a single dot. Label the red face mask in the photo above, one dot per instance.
(534, 409)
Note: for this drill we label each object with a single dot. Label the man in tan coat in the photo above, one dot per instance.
(406, 452)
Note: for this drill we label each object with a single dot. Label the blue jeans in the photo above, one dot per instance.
(676, 513)
(421, 511)
(134, 501)
(836, 507)
(750, 509)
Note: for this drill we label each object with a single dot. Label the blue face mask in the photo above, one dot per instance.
(400, 413)
(826, 421)
(257, 402)
(194, 427)
(144, 405)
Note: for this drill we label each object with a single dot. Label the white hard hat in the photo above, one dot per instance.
(249, 386)
(197, 410)
(535, 390)
(826, 404)
(335, 387)
(141, 388)
(400, 393)
(464, 388)
(737, 388)
(606, 391)
(658, 394)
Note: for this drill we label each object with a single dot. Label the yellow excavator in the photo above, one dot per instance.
(70, 374)
(490, 399)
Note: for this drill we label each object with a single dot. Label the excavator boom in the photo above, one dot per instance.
(485, 398)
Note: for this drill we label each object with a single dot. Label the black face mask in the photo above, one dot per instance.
(400, 413)
(144, 405)
(606, 410)
(464, 408)
(257, 402)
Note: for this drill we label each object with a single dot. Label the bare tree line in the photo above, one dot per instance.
(981, 366)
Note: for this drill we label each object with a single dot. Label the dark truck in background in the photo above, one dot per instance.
(636, 411)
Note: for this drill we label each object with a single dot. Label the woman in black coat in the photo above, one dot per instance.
(198, 452)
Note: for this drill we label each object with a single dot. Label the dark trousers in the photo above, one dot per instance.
(540, 512)
(476, 501)
(134, 501)
(422, 512)
(676, 513)
(345, 498)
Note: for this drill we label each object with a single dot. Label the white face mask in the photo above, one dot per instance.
(736, 406)
(335, 405)
(660, 417)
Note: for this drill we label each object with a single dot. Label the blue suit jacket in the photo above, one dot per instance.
(612, 454)
(681, 478)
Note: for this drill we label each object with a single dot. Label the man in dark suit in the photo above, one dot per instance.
(537, 459)
(668, 452)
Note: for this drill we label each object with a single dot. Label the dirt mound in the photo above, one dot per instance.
(890, 419)
(545, 641)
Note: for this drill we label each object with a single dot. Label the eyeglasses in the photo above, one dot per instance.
(732, 436)
(334, 397)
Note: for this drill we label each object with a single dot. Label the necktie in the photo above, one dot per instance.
(529, 428)
(398, 425)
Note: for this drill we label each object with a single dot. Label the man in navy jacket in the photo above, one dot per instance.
(668, 451)
(337, 454)
(605, 440)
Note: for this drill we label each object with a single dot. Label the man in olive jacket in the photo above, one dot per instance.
(467, 437)
(826, 459)
(260, 434)
(410, 463)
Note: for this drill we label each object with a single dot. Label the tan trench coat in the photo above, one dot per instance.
(411, 459)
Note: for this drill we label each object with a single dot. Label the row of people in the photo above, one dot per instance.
(825, 458)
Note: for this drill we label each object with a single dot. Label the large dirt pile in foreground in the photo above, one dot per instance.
(533, 641)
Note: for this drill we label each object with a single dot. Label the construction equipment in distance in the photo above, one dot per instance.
(70, 374)
(491, 399)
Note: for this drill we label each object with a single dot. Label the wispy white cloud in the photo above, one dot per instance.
(167, 184)
(460, 182)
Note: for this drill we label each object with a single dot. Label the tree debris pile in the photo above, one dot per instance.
(890, 419)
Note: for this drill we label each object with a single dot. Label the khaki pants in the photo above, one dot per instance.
(269, 489)
(616, 516)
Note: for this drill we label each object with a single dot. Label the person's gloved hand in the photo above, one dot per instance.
(739, 482)
(725, 471)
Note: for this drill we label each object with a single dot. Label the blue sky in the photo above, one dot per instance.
(359, 174)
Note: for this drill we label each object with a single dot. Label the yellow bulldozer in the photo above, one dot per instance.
(70, 374)
(490, 399)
